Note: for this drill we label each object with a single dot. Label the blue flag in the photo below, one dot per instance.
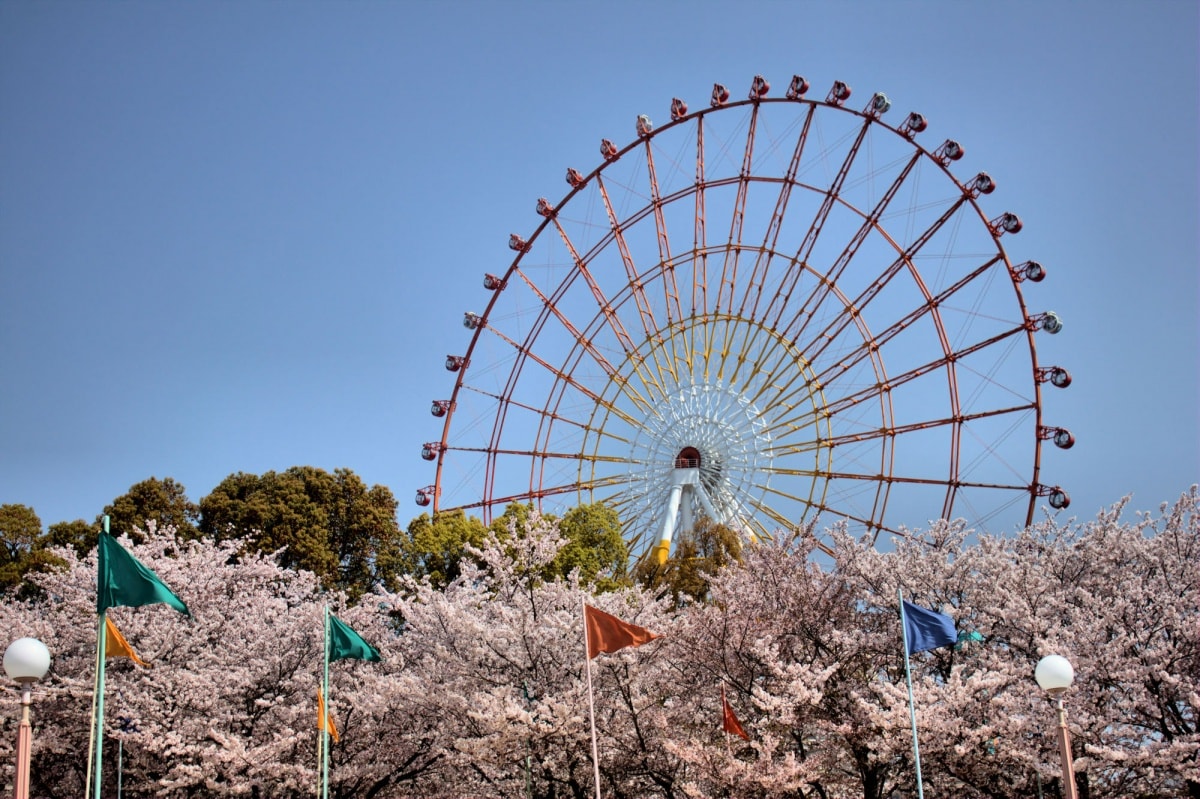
(926, 629)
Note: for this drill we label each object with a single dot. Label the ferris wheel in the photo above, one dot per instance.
(763, 311)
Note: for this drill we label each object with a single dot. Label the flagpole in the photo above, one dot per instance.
(101, 633)
(320, 739)
(912, 708)
(328, 710)
(587, 664)
(87, 784)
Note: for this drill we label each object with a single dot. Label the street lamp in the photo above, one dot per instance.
(26, 660)
(1055, 675)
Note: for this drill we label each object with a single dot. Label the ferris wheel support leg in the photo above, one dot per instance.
(706, 503)
(686, 520)
(663, 548)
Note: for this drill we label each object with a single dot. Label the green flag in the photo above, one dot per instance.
(122, 580)
(345, 643)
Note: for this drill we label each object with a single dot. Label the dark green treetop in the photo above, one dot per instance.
(331, 524)
(165, 501)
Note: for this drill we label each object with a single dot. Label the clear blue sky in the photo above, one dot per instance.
(240, 236)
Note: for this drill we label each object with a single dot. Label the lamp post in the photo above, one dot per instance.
(1055, 675)
(26, 660)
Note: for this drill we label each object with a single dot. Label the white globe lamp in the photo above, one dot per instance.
(26, 660)
(1054, 673)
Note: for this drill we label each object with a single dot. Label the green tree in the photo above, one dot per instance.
(435, 547)
(330, 524)
(164, 500)
(594, 546)
(515, 513)
(21, 528)
(78, 535)
(698, 555)
(22, 548)
(594, 543)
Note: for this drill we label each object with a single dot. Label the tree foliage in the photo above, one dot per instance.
(698, 555)
(78, 535)
(330, 524)
(483, 689)
(594, 546)
(163, 501)
(435, 546)
(227, 707)
(22, 546)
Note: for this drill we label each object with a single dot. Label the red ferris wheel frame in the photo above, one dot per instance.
(601, 370)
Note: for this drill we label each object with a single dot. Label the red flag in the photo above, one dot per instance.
(729, 722)
(606, 633)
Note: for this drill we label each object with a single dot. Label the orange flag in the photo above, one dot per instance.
(729, 722)
(606, 633)
(115, 645)
(324, 721)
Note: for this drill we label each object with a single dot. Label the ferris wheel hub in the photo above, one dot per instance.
(703, 448)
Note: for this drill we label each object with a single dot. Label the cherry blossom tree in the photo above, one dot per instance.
(228, 707)
(800, 656)
(1118, 600)
(501, 656)
(812, 656)
(482, 690)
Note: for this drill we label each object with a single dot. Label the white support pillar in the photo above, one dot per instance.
(678, 507)
(687, 521)
(670, 515)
